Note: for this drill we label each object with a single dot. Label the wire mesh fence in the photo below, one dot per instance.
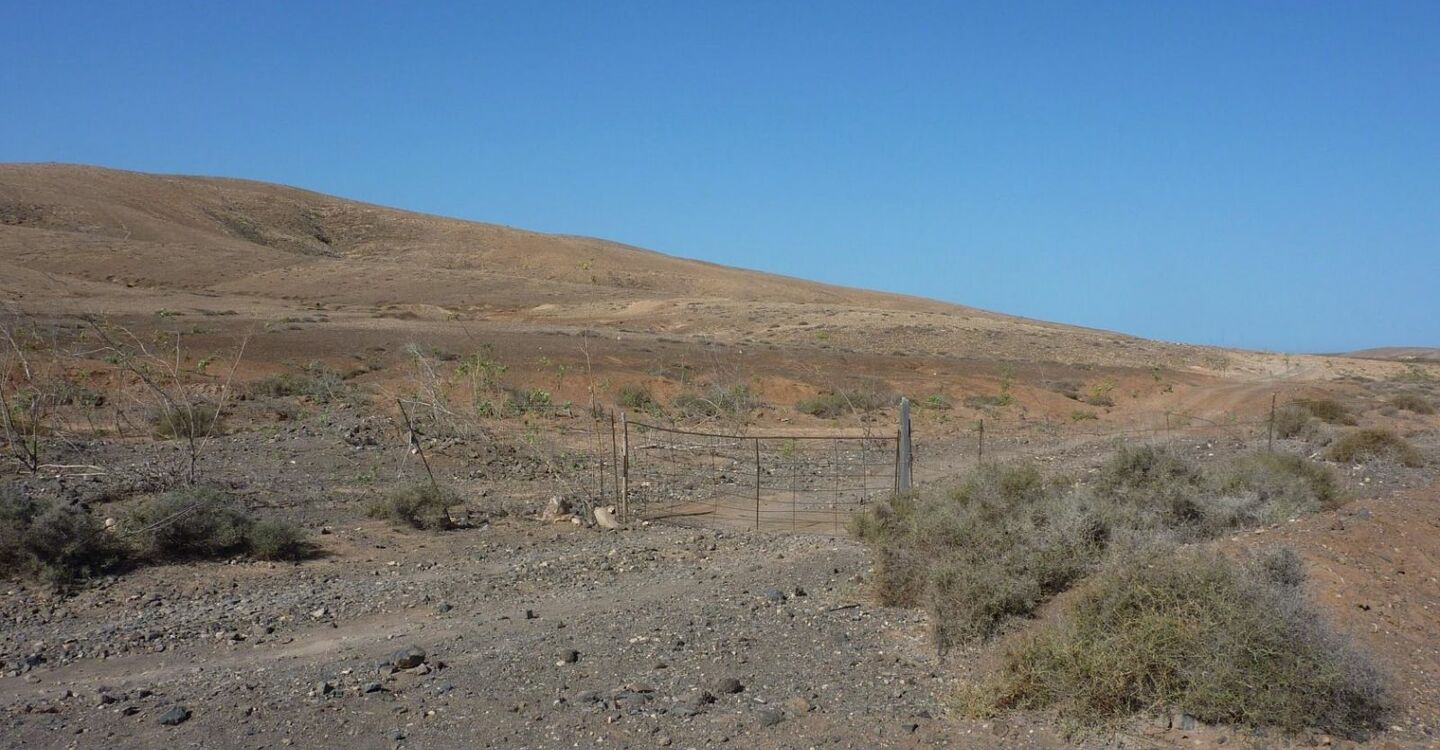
(766, 482)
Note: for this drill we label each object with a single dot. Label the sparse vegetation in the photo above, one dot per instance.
(420, 506)
(203, 522)
(1413, 402)
(839, 403)
(1004, 540)
(1192, 632)
(637, 397)
(316, 381)
(191, 420)
(715, 402)
(1358, 446)
(1327, 410)
(59, 543)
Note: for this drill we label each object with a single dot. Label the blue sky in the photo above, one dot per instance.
(1249, 174)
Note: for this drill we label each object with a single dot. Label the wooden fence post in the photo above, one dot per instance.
(757, 484)
(1270, 437)
(625, 470)
(981, 450)
(903, 480)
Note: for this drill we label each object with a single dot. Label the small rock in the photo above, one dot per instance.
(175, 715)
(769, 717)
(775, 595)
(728, 686)
(371, 687)
(797, 705)
(569, 656)
(408, 658)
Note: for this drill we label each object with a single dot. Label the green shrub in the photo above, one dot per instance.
(990, 550)
(1288, 482)
(1081, 415)
(59, 543)
(194, 419)
(1197, 633)
(1413, 402)
(316, 381)
(527, 400)
(1004, 539)
(421, 506)
(191, 523)
(715, 402)
(271, 539)
(1358, 446)
(637, 397)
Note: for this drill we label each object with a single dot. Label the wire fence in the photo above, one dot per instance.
(766, 482)
(813, 482)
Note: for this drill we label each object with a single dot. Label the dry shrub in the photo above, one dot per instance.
(1358, 446)
(1413, 402)
(194, 419)
(316, 381)
(839, 403)
(421, 506)
(1192, 632)
(59, 543)
(271, 539)
(203, 523)
(1327, 410)
(1005, 539)
(714, 402)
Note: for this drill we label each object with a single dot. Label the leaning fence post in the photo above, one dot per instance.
(902, 468)
(625, 469)
(980, 459)
(1270, 438)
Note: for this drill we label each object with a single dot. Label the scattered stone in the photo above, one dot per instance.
(797, 705)
(371, 687)
(408, 657)
(175, 715)
(769, 717)
(569, 656)
(775, 595)
(728, 686)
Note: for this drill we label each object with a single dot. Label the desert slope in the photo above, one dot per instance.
(84, 220)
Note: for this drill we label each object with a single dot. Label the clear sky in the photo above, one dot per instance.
(1248, 174)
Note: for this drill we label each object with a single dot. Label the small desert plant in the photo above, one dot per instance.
(197, 522)
(1293, 420)
(1327, 410)
(60, 543)
(838, 403)
(528, 400)
(715, 402)
(1413, 402)
(271, 539)
(423, 505)
(191, 420)
(1081, 415)
(1192, 632)
(1287, 481)
(636, 397)
(1358, 446)
(1005, 539)
(316, 381)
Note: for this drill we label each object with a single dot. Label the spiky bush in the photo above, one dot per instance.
(59, 543)
(421, 506)
(1358, 446)
(1192, 632)
(193, 419)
